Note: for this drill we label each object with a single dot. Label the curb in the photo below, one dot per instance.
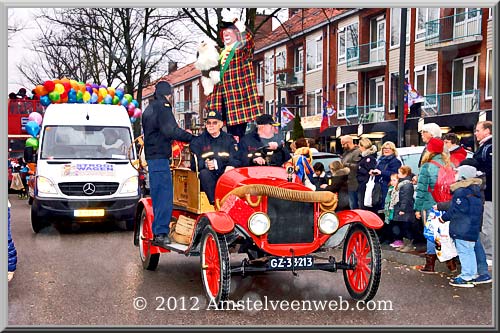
(412, 258)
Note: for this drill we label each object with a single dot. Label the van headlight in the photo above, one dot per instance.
(45, 185)
(259, 223)
(328, 223)
(131, 185)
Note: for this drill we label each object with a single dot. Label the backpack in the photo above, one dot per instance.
(446, 176)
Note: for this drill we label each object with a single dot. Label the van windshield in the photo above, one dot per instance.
(85, 142)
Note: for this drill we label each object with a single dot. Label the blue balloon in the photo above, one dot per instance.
(32, 128)
(108, 99)
(94, 98)
(120, 93)
(124, 101)
(45, 100)
(132, 120)
(135, 103)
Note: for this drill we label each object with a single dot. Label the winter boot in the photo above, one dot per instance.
(430, 261)
(452, 265)
(408, 247)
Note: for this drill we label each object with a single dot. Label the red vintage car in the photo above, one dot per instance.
(265, 212)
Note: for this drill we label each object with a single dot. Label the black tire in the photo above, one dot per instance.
(149, 261)
(37, 222)
(362, 248)
(215, 266)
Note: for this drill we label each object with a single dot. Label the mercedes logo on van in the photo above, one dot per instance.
(89, 188)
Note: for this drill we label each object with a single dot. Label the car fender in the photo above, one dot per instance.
(365, 217)
(143, 204)
(220, 221)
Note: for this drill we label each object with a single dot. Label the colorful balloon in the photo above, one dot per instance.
(124, 101)
(135, 103)
(116, 100)
(36, 117)
(86, 97)
(128, 97)
(32, 128)
(32, 142)
(54, 96)
(45, 100)
(119, 92)
(59, 88)
(137, 113)
(108, 99)
(49, 85)
(94, 98)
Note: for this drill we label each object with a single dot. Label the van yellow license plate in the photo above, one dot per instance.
(89, 212)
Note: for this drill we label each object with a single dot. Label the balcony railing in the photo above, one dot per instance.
(461, 29)
(371, 113)
(294, 79)
(367, 56)
(451, 103)
(183, 106)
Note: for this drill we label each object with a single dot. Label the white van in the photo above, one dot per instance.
(83, 173)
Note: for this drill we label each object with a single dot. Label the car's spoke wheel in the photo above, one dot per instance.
(362, 250)
(149, 261)
(215, 268)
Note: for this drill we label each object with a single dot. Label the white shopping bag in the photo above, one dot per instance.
(369, 191)
(442, 236)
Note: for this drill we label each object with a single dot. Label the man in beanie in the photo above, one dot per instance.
(465, 214)
(429, 130)
(433, 158)
(160, 128)
(215, 152)
(484, 157)
(235, 96)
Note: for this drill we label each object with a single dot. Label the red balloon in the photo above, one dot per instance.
(67, 85)
(64, 95)
(49, 85)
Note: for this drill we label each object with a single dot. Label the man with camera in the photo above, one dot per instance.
(215, 152)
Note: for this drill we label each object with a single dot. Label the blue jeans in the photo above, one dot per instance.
(465, 250)
(162, 194)
(482, 266)
(353, 199)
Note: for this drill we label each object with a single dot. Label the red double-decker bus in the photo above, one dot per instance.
(19, 110)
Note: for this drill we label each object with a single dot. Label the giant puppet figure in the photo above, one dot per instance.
(235, 96)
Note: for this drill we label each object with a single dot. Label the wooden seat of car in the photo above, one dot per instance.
(187, 191)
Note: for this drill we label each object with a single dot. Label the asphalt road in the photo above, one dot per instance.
(91, 275)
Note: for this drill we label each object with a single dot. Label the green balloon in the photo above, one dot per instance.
(32, 142)
(116, 100)
(128, 97)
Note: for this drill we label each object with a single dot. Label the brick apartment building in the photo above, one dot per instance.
(350, 58)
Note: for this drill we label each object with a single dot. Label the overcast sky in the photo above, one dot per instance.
(20, 43)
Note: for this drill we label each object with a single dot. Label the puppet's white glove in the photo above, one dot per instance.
(240, 25)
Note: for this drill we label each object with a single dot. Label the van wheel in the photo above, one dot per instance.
(149, 260)
(37, 223)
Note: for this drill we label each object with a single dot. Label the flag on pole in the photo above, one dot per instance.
(328, 111)
(411, 97)
(286, 116)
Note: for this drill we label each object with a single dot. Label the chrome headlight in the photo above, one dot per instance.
(328, 223)
(45, 185)
(259, 223)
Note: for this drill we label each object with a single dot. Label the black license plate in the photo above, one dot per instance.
(289, 262)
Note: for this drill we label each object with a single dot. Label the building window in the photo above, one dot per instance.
(489, 74)
(258, 72)
(299, 60)
(269, 69)
(196, 92)
(490, 13)
(424, 15)
(270, 107)
(314, 53)
(394, 84)
(314, 103)
(280, 61)
(396, 26)
(347, 98)
(347, 37)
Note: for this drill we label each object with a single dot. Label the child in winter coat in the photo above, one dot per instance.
(11, 248)
(465, 215)
(319, 177)
(387, 233)
(404, 215)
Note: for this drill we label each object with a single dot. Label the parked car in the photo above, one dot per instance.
(325, 158)
(411, 156)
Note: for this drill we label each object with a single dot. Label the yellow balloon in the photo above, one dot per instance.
(59, 88)
(103, 92)
(86, 96)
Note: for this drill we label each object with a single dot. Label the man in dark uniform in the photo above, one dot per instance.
(216, 153)
(263, 135)
(160, 128)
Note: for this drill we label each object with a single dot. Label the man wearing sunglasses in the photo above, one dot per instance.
(216, 153)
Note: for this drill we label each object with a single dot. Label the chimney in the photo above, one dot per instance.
(172, 66)
(293, 11)
(266, 29)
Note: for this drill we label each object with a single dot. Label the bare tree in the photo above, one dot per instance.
(13, 27)
(112, 46)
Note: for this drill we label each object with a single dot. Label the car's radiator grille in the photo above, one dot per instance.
(85, 188)
(291, 222)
